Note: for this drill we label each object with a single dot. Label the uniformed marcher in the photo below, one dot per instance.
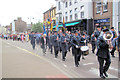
(83, 43)
(76, 49)
(103, 55)
(64, 46)
(97, 33)
(93, 42)
(33, 40)
(56, 45)
(51, 42)
(71, 40)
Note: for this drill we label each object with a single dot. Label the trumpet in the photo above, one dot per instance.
(108, 37)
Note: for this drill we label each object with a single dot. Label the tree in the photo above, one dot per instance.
(38, 27)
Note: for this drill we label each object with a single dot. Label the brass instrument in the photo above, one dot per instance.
(108, 37)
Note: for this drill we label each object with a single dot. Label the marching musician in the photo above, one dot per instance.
(83, 43)
(64, 46)
(56, 44)
(51, 43)
(98, 32)
(44, 44)
(33, 40)
(76, 48)
(103, 55)
(71, 40)
(93, 42)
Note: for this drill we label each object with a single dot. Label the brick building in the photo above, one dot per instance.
(19, 26)
(49, 15)
(102, 13)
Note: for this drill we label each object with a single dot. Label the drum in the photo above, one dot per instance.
(85, 50)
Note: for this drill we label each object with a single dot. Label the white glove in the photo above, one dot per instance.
(76, 46)
(85, 41)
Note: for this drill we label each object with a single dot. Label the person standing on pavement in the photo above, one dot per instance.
(56, 44)
(51, 43)
(22, 37)
(103, 55)
(33, 40)
(64, 46)
(76, 48)
(118, 44)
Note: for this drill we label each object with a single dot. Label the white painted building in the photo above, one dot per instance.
(116, 15)
(75, 10)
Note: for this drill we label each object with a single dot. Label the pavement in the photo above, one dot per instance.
(20, 61)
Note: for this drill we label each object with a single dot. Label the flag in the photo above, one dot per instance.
(51, 25)
(57, 27)
(64, 26)
(44, 29)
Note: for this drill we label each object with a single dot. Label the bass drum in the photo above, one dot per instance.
(85, 50)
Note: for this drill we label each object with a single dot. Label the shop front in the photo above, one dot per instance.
(104, 23)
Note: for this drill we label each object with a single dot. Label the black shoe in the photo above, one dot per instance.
(55, 56)
(76, 65)
(83, 58)
(113, 56)
(105, 74)
(63, 59)
(103, 77)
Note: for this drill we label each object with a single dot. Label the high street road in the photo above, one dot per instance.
(20, 61)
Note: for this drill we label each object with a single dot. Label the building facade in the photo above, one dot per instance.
(78, 14)
(116, 15)
(19, 26)
(103, 13)
(49, 16)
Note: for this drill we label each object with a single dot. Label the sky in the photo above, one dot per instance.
(11, 9)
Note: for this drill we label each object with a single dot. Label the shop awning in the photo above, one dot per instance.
(67, 24)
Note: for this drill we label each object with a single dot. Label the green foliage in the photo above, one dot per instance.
(38, 27)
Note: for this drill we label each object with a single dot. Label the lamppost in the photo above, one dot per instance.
(31, 18)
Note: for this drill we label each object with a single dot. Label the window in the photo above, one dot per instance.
(66, 4)
(59, 7)
(98, 5)
(82, 8)
(76, 16)
(70, 17)
(105, 5)
(82, 14)
(70, 2)
(75, 1)
(70, 11)
(76, 10)
(66, 18)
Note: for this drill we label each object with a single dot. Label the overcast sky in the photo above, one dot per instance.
(11, 9)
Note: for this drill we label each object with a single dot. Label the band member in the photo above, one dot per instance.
(103, 55)
(71, 40)
(118, 45)
(59, 41)
(93, 42)
(86, 37)
(48, 40)
(114, 44)
(79, 33)
(68, 40)
(51, 42)
(56, 45)
(44, 44)
(33, 40)
(83, 43)
(64, 46)
(76, 48)
(97, 33)
(114, 33)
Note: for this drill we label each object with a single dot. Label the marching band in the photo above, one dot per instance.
(77, 42)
